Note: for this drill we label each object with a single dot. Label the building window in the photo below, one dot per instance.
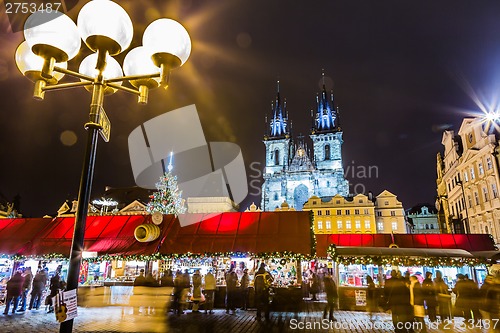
(356, 212)
(348, 225)
(367, 211)
(494, 190)
(380, 226)
(347, 212)
(379, 213)
(472, 176)
(469, 199)
(393, 213)
(360, 200)
(276, 157)
(328, 225)
(339, 211)
(476, 196)
(426, 226)
(432, 226)
(320, 225)
(339, 224)
(386, 203)
(338, 202)
(480, 169)
(466, 176)
(485, 193)
(320, 212)
(358, 224)
(327, 152)
(489, 165)
(275, 196)
(367, 225)
(394, 225)
(327, 212)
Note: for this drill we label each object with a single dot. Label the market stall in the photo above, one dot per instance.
(357, 256)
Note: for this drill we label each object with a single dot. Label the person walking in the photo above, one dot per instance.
(315, 286)
(331, 297)
(178, 290)
(399, 303)
(430, 296)
(443, 297)
(231, 289)
(463, 301)
(197, 296)
(14, 291)
(209, 291)
(167, 280)
(417, 301)
(371, 297)
(262, 282)
(244, 284)
(473, 292)
(28, 279)
(39, 284)
(55, 286)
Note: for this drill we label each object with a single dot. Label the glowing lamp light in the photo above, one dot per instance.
(491, 116)
(138, 62)
(52, 35)
(104, 25)
(30, 65)
(112, 70)
(168, 42)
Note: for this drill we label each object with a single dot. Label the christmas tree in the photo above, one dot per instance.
(167, 200)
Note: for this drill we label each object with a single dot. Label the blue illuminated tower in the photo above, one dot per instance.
(291, 174)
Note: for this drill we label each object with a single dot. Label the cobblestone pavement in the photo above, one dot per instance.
(122, 319)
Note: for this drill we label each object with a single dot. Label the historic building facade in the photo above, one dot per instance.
(292, 173)
(423, 219)
(468, 179)
(389, 214)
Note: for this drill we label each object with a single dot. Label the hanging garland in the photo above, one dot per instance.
(49, 256)
(405, 260)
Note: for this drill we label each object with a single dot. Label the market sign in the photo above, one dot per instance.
(65, 305)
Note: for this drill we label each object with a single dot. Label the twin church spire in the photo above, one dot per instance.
(325, 119)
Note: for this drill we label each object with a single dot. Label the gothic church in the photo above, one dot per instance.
(292, 173)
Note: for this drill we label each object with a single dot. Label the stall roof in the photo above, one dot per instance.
(17, 234)
(467, 242)
(402, 252)
(111, 234)
(253, 232)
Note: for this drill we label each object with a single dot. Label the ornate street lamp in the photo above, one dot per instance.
(52, 39)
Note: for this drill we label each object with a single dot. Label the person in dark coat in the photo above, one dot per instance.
(465, 297)
(178, 289)
(443, 297)
(167, 280)
(231, 290)
(473, 292)
(430, 296)
(417, 301)
(331, 297)
(28, 279)
(399, 302)
(371, 296)
(14, 291)
(244, 284)
(140, 280)
(55, 286)
(39, 283)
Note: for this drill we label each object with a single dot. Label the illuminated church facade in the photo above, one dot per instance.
(293, 173)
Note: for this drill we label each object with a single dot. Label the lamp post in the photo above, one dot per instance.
(52, 39)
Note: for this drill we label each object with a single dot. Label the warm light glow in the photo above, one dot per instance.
(52, 34)
(105, 18)
(29, 63)
(138, 62)
(167, 36)
(112, 70)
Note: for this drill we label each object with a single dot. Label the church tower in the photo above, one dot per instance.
(326, 136)
(277, 138)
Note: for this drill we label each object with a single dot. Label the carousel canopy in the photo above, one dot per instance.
(467, 242)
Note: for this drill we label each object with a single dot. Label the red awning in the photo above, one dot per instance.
(112, 234)
(468, 242)
(17, 234)
(253, 232)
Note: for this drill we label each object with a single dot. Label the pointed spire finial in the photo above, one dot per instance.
(170, 165)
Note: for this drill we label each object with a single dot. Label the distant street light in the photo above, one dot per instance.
(52, 39)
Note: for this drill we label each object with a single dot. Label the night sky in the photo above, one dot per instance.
(401, 72)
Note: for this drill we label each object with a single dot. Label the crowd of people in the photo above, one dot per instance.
(412, 301)
(38, 289)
